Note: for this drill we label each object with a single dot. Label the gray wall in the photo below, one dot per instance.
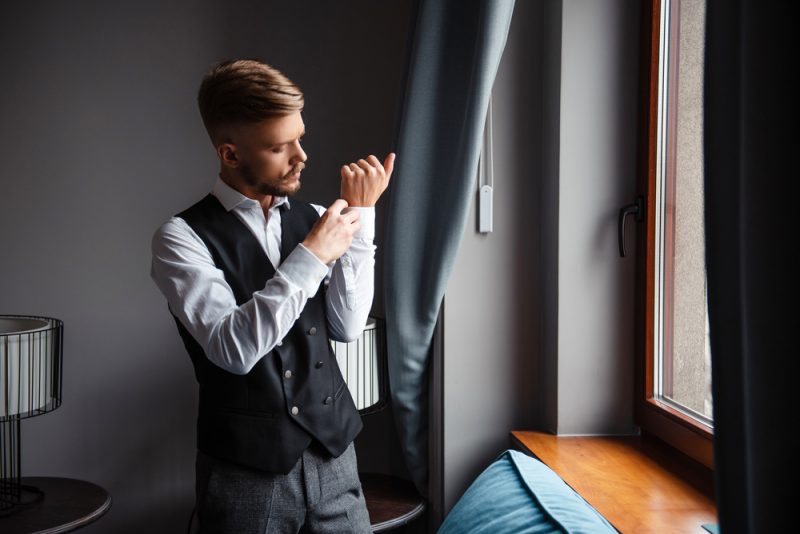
(101, 141)
(597, 175)
(564, 151)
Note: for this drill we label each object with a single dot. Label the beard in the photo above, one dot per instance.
(277, 188)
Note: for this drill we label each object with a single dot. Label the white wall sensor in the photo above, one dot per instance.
(485, 209)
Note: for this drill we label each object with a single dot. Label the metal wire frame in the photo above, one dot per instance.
(10, 487)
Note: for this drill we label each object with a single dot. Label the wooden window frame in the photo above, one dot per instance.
(653, 417)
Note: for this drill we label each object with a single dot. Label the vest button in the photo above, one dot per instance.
(328, 400)
(319, 364)
(312, 330)
(295, 410)
(288, 373)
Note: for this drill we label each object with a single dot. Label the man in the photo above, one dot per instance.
(257, 285)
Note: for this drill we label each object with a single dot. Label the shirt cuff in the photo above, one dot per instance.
(304, 269)
(367, 220)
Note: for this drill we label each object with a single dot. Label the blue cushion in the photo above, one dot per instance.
(518, 493)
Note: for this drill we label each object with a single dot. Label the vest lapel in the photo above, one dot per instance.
(234, 248)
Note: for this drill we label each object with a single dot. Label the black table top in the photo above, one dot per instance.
(67, 505)
(391, 501)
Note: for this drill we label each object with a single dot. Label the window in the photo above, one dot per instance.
(674, 375)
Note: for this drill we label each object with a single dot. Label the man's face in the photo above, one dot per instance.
(269, 155)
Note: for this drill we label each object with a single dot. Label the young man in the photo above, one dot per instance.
(257, 284)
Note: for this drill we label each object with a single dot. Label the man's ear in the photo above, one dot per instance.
(227, 155)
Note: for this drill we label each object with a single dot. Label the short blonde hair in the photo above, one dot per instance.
(240, 91)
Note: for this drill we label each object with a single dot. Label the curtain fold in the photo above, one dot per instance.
(456, 51)
(751, 239)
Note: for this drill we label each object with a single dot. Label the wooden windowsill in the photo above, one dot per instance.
(637, 484)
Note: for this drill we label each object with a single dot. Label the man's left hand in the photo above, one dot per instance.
(364, 182)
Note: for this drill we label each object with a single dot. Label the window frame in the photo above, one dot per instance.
(652, 416)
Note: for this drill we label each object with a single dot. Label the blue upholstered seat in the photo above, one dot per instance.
(518, 493)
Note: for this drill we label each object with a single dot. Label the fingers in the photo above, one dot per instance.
(351, 216)
(366, 167)
(373, 163)
(338, 205)
(370, 165)
(388, 163)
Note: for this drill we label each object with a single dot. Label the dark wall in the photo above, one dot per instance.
(101, 141)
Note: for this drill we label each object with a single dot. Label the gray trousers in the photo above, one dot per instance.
(320, 494)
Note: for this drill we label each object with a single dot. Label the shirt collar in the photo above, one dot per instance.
(230, 198)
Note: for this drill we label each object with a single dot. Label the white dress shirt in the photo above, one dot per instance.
(236, 337)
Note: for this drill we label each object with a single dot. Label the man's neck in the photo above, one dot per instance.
(266, 201)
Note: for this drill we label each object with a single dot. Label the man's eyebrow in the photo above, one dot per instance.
(302, 134)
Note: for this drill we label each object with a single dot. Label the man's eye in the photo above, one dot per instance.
(277, 150)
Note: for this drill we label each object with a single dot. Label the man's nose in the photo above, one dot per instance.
(300, 154)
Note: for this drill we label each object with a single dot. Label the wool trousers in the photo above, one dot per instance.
(321, 494)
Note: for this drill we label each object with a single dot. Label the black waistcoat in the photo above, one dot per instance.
(295, 393)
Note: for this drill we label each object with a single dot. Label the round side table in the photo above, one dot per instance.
(68, 505)
(391, 501)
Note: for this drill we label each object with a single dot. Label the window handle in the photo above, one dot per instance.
(637, 210)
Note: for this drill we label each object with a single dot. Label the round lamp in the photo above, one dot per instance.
(30, 385)
(363, 365)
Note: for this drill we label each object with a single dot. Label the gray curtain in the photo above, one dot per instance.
(455, 54)
(751, 242)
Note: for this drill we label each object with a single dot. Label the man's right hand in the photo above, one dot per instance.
(331, 235)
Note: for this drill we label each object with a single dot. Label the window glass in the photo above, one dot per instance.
(682, 356)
